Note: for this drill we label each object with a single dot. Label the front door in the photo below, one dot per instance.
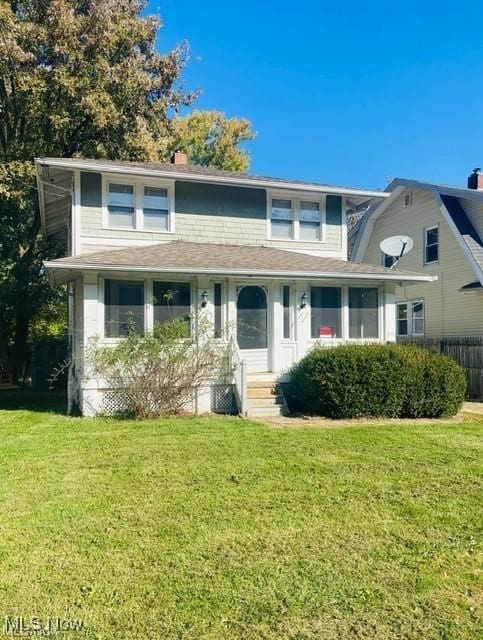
(252, 326)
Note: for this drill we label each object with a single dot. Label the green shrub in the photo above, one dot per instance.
(390, 380)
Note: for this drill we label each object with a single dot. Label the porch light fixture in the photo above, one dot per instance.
(303, 300)
(204, 298)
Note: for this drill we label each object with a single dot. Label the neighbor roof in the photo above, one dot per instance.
(215, 259)
(448, 200)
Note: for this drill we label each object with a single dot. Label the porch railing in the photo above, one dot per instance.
(239, 368)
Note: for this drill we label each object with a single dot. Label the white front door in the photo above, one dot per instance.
(252, 326)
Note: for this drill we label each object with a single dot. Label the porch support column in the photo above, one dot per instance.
(345, 312)
(275, 329)
(90, 396)
(204, 321)
(389, 294)
(231, 307)
(303, 331)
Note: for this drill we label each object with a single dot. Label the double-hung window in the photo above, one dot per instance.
(431, 245)
(296, 219)
(410, 318)
(155, 209)
(309, 220)
(282, 218)
(139, 206)
(121, 204)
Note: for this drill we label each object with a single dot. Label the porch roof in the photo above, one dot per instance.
(194, 258)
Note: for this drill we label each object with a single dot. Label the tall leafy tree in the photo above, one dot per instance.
(211, 139)
(77, 78)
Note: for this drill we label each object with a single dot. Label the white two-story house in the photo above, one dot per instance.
(264, 259)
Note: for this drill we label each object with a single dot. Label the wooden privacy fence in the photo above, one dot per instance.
(468, 352)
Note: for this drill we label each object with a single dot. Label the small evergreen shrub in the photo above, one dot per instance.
(375, 380)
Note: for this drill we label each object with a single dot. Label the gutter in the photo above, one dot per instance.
(306, 275)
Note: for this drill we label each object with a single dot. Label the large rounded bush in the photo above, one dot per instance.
(390, 380)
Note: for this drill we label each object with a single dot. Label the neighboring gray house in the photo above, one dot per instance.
(446, 225)
(240, 250)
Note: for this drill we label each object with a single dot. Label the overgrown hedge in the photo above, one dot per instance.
(351, 381)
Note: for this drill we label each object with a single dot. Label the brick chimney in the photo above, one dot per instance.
(475, 180)
(179, 157)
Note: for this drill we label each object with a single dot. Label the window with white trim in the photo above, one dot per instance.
(296, 219)
(281, 218)
(139, 204)
(121, 202)
(309, 220)
(410, 318)
(431, 245)
(155, 209)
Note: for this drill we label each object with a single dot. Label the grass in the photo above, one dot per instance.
(220, 528)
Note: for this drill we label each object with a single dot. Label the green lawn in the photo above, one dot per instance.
(222, 528)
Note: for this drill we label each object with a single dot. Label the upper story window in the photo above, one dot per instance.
(296, 219)
(431, 245)
(137, 205)
(121, 205)
(282, 219)
(408, 199)
(155, 209)
(309, 220)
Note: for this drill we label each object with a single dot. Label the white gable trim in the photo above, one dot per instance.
(467, 253)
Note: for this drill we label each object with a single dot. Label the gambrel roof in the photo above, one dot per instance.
(449, 200)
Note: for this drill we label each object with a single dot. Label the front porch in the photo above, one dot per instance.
(269, 306)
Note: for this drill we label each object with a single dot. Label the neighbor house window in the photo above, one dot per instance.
(281, 218)
(387, 261)
(325, 309)
(172, 300)
(155, 209)
(410, 318)
(124, 307)
(431, 245)
(286, 311)
(408, 199)
(121, 205)
(363, 312)
(309, 220)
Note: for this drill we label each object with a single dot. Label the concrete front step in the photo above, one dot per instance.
(262, 392)
(273, 401)
(261, 412)
(264, 396)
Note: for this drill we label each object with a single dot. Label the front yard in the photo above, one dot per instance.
(221, 528)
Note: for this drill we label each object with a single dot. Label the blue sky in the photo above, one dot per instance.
(350, 93)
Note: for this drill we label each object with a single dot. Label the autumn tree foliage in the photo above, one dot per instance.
(82, 78)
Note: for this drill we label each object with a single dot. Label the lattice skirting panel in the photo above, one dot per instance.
(113, 402)
(223, 399)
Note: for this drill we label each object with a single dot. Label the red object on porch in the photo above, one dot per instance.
(325, 331)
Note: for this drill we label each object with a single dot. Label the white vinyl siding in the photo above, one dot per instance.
(447, 311)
